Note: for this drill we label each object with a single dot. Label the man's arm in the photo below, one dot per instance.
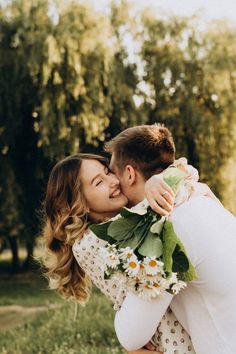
(137, 320)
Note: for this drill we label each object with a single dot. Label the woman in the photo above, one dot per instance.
(82, 190)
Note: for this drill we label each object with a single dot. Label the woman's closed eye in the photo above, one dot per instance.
(107, 171)
(98, 182)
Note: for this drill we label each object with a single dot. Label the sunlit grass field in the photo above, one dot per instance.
(34, 319)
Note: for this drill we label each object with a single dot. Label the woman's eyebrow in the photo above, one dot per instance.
(98, 175)
(95, 177)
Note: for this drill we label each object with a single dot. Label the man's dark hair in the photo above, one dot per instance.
(148, 148)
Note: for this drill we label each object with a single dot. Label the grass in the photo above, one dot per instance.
(54, 331)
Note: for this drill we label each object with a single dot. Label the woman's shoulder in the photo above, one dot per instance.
(88, 241)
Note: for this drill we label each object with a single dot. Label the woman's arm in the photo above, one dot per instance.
(144, 351)
(137, 320)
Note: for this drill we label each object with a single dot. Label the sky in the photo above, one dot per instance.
(210, 9)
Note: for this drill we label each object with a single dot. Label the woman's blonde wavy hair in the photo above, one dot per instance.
(66, 220)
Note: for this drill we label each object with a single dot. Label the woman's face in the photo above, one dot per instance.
(101, 190)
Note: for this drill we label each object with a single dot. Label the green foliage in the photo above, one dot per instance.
(190, 76)
(62, 82)
(174, 178)
(68, 84)
(152, 246)
(174, 254)
(149, 235)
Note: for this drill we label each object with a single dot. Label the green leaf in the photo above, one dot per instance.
(126, 213)
(190, 275)
(100, 230)
(180, 261)
(174, 178)
(132, 242)
(157, 227)
(176, 260)
(151, 246)
(120, 228)
(169, 239)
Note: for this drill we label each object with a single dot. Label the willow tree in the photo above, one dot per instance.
(64, 81)
(188, 91)
(20, 37)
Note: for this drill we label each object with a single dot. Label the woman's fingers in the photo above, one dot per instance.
(156, 207)
(164, 204)
(160, 201)
(168, 189)
(169, 197)
(150, 346)
(159, 195)
(144, 351)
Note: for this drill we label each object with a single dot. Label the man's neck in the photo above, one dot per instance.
(138, 196)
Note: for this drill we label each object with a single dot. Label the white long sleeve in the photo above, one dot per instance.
(137, 320)
(207, 306)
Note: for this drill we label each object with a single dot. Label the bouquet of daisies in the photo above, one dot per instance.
(143, 252)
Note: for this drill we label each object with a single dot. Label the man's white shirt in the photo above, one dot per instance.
(206, 308)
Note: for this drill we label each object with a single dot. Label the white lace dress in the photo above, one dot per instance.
(170, 335)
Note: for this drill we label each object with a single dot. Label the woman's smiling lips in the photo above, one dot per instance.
(115, 193)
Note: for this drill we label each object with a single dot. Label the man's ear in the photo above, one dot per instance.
(130, 175)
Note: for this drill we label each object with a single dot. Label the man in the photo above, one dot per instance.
(206, 307)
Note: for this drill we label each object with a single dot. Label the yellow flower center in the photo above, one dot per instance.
(156, 285)
(132, 264)
(152, 263)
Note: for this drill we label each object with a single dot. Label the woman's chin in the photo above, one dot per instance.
(120, 201)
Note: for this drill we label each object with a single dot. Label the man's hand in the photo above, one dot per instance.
(159, 195)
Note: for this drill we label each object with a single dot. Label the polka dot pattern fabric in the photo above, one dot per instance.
(170, 336)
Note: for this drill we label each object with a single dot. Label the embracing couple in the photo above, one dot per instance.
(85, 189)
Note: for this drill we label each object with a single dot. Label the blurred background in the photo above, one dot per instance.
(72, 75)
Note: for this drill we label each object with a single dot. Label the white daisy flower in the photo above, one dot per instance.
(111, 248)
(149, 278)
(173, 278)
(132, 266)
(153, 266)
(164, 284)
(126, 252)
(131, 284)
(150, 291)
(112, 260)
(109, 257)
(178, 286)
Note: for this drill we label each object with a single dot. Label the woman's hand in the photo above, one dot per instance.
(159, 195)
(144, 351)
(147, 349)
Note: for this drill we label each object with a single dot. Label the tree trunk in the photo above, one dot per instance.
(15, 256)
(29, 261)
